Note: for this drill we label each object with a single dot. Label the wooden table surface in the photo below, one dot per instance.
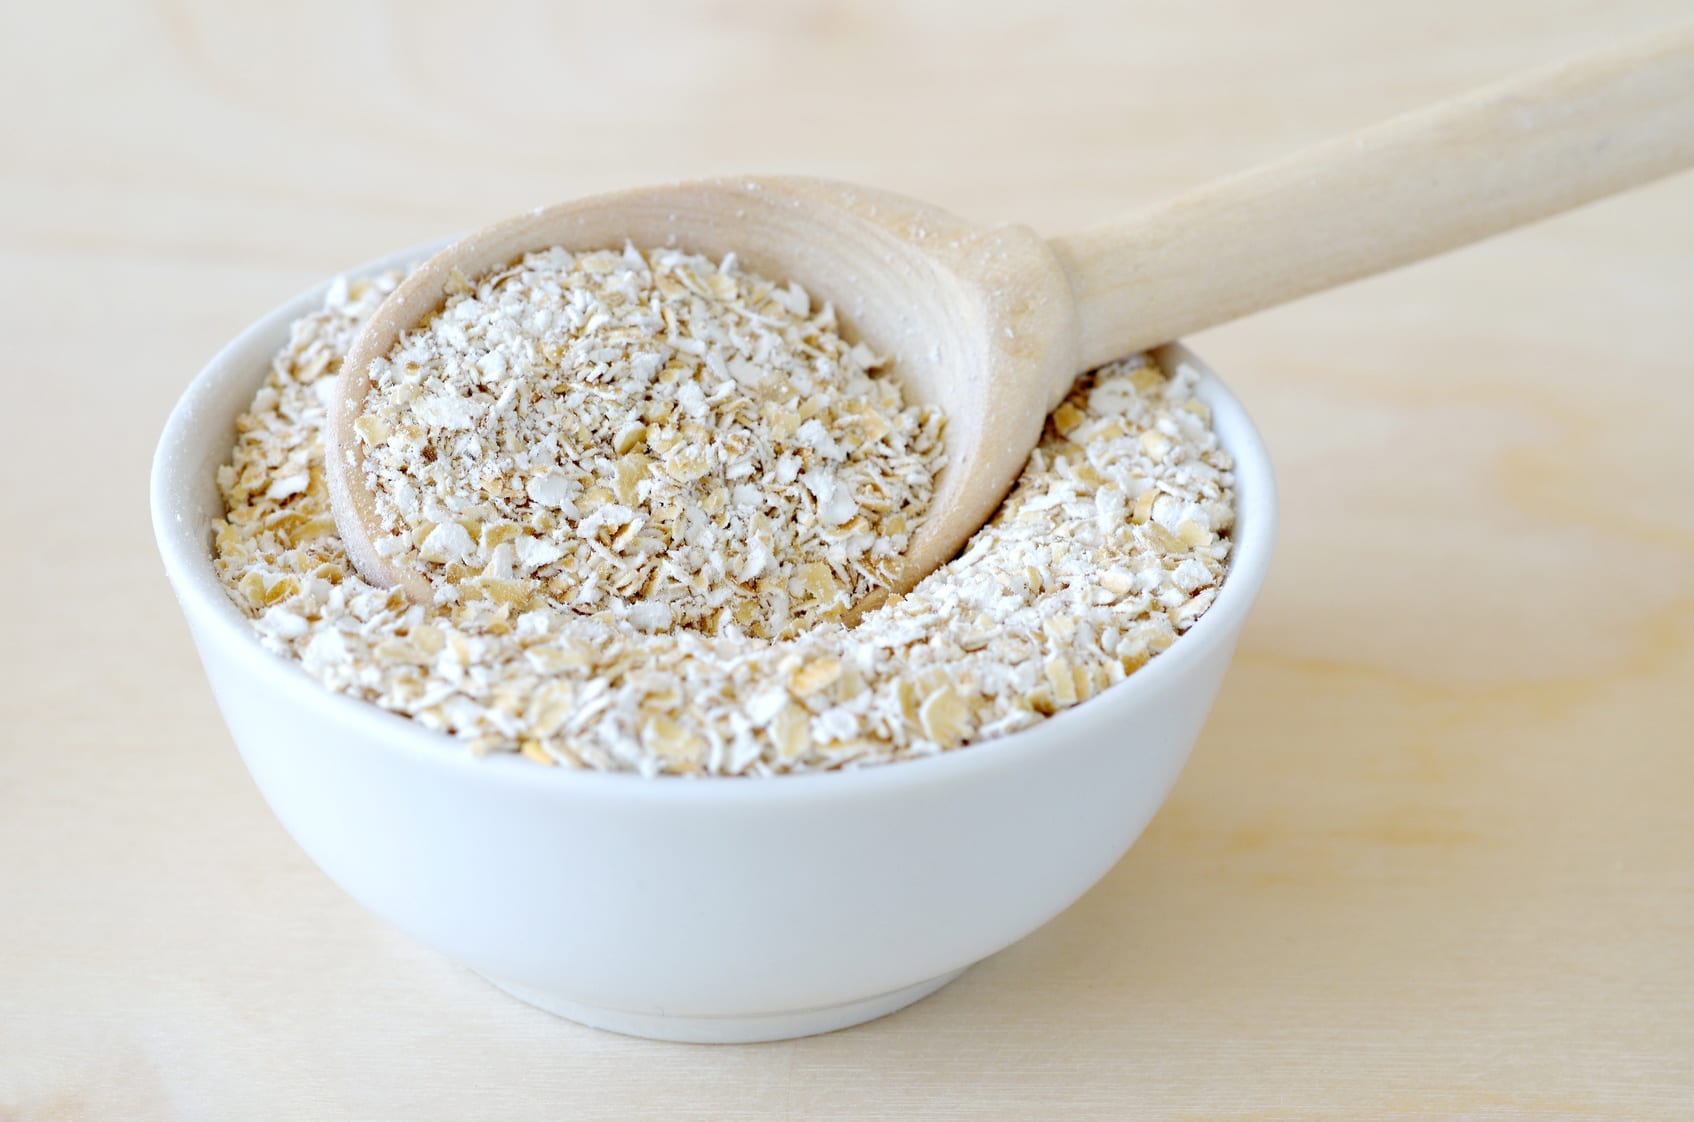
(1434, 855)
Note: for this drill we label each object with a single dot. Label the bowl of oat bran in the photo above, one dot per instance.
(772, 893)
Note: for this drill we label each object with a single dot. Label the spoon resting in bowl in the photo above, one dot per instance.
(993, 324)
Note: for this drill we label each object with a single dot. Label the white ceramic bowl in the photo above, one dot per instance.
(693, 909)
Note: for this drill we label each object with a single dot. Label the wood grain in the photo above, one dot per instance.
(1433, 855)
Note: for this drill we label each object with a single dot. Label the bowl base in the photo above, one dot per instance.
(728, 1030)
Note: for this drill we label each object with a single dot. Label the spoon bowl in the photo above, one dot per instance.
(977, 321)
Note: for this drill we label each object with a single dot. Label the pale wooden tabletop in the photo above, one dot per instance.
(1434, 855)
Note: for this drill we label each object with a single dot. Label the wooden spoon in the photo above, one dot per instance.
(992, 324)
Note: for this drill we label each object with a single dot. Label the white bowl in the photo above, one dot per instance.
(693, 909)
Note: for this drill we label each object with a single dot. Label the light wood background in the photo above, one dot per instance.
(1434, 856)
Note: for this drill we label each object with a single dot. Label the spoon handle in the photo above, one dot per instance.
(1412, 187)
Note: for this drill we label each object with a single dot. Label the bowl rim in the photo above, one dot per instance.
(223, 631)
